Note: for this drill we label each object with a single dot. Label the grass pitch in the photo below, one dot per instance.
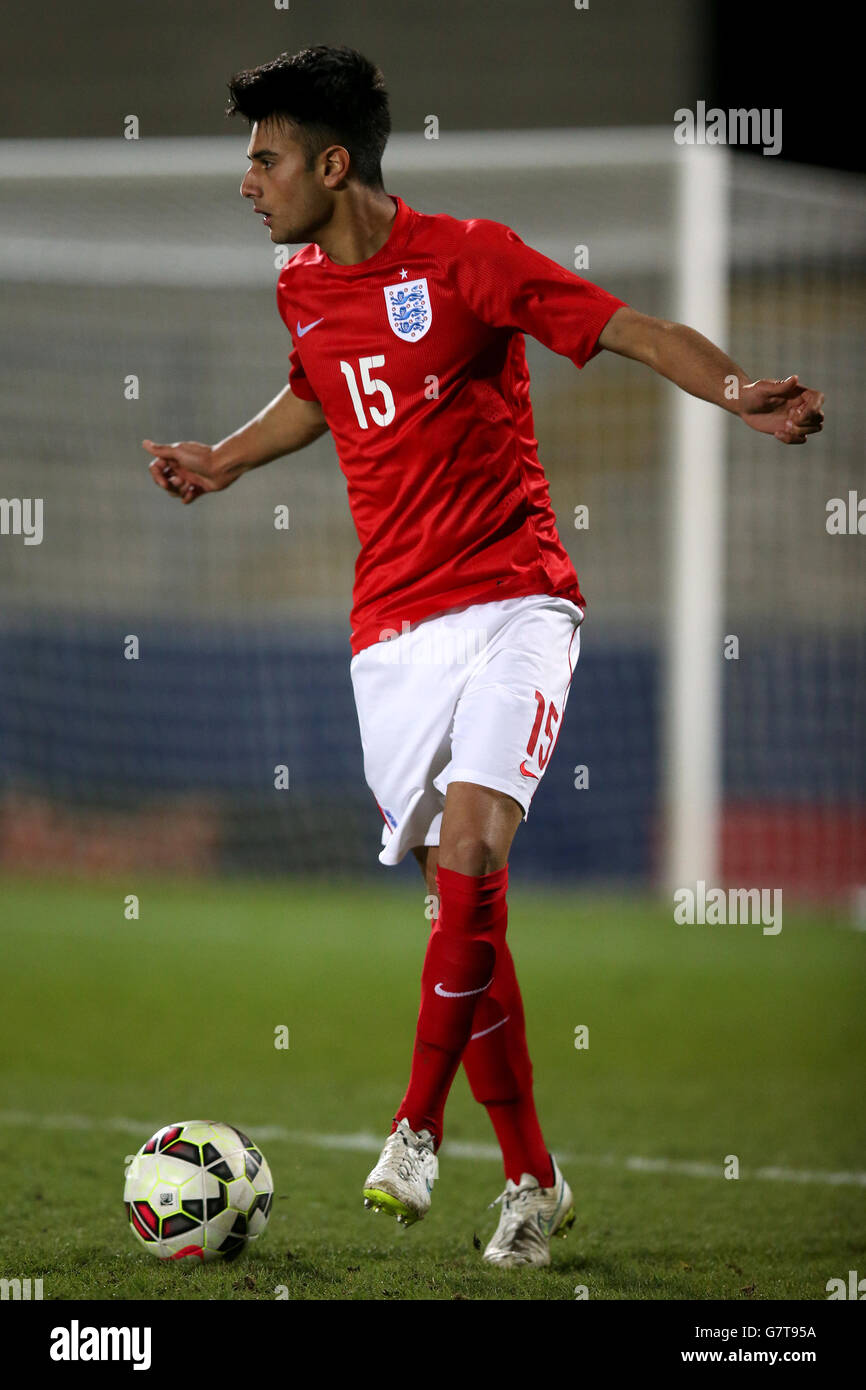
(704, 1042)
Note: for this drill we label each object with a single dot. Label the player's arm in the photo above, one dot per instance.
(188, 469)
(785, 409)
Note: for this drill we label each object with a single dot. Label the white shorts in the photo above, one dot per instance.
(476, 694)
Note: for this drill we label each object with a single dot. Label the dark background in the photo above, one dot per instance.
(76, 70)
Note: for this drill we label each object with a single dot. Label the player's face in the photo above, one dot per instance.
(290, 197)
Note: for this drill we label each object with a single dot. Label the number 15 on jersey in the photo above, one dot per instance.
(372, 386)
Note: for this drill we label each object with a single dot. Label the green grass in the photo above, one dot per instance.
(704, 1042)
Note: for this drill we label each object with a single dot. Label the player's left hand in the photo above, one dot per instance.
(785, 409)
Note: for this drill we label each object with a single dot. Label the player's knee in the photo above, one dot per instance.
(472, 854)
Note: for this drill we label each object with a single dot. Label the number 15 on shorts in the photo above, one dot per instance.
(542, 738)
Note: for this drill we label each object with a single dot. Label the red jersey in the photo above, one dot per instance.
(417, 358)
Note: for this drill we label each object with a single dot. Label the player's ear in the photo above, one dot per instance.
(335, 164)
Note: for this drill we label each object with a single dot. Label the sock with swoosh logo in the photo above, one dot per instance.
(499, 1070)
(466, 939)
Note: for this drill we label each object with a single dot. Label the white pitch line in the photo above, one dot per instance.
(365, 1142)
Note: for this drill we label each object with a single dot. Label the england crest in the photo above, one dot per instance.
(409, 311)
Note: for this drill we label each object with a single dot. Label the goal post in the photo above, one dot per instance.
(692, 702)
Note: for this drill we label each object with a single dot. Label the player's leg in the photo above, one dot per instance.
(405, 711)
(478, 825)
(497, 1062)
(467, 940)
(537, 1202)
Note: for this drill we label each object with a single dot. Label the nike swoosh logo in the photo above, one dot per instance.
(491, 1029)
(460, 993)
(301, 331)
(528, 774)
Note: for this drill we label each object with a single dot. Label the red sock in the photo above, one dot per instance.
(466, 939)
(497, 1064)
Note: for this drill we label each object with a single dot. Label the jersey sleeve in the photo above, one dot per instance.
(508, 284)
(297, 376)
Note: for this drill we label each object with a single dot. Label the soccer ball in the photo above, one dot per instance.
(198, 1191)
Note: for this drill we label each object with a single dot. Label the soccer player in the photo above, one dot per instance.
(408, 345)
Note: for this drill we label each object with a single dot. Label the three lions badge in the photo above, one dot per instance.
(409, 311)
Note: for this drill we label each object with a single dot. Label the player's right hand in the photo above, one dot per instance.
(187, 470)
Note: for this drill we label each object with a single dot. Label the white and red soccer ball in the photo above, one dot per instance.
(198, 1191)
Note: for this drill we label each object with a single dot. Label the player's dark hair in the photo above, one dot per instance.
(329, 96)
